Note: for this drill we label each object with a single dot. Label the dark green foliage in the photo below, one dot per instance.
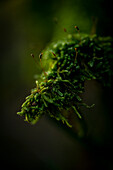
(75, 60)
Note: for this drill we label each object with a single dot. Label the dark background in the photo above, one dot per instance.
(27, 26)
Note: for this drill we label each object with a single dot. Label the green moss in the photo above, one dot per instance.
(71, 62)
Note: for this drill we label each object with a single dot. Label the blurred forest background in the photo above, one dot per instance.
(27, 26)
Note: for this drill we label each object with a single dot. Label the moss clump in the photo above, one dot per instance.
(75, 60)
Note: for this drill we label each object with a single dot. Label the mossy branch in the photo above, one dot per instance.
(73, 61)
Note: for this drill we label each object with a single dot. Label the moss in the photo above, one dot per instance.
(71, 62)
